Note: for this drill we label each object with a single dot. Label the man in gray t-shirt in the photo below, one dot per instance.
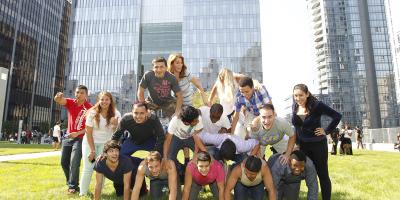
(160, 83)
(270, 130)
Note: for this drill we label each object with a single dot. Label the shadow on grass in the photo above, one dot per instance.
(26, 146)
(30, 163)
(335, 195)
(355, 155)
(112, 196)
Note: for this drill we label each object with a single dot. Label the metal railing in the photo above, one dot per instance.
(382, 135)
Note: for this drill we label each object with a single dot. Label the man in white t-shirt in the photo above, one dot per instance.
(213, 121)
(182, 132)
(23, 137)
(57, 135)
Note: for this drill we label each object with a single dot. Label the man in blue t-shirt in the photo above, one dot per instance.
(118, 168)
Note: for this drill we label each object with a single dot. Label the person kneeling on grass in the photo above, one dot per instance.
(230, 147)
(162, 173)
(249, 179)
(287, 177)
(118, 168)
(203, 171)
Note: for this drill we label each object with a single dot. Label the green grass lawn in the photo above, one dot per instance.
(366, 175)
(7, 148)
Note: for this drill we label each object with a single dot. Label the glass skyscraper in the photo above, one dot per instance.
(113, 42)
(354, 61)
(33, 45)
(222, 33)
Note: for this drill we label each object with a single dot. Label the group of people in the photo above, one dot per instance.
(30, 137)
(344, 136)
(236, 130)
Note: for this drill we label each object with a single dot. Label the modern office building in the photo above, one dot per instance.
(397, 50)
(354, 60)
(113, 42)
(33, 45)
(393, 18)
(224, 34)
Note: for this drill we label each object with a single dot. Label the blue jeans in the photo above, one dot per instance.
(119, 187)
(157, 185)
(243, 192)
(289, 191)
(71, 154)
(128, 148)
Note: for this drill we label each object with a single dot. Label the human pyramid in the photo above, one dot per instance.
(228, 139)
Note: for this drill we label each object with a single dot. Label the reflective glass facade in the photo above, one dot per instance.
(105, 44)
(225, 33)
(113, 42)
(354, 60)
(159, 39)
(33, 42)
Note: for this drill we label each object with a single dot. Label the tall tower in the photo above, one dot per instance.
(114, 41)
(226, 32)
(33, 45)
(354, 60)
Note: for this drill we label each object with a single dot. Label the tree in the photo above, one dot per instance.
(44, 127)
(10, 127)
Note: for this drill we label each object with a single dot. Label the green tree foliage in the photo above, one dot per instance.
(10, 127)
(44, 127)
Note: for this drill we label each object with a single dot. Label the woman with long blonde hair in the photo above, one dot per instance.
(225, 88)
(101, 122)
(177, 67)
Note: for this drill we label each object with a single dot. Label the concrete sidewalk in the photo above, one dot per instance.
(29, 156)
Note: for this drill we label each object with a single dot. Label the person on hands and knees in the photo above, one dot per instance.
(230, 147)
(116, 167)
(162, 174)
(183, 132)
(287, 177)
(203, 171)
(271, 130)
(249, 179)
(139, 130)
(213, 120)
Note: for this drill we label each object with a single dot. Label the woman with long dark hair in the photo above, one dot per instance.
(311, 137)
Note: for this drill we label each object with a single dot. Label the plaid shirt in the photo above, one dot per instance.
(258, 99)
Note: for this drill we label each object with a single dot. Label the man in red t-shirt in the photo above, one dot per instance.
(71, 151)
(203, 171)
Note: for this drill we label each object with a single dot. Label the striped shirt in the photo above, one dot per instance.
(259, 98)
(187, 91)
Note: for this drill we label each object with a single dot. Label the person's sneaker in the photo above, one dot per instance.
(71, 191)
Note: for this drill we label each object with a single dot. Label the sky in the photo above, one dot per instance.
(287, 49)
(395, 12)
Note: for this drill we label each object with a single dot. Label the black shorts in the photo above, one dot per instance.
(55, 139)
